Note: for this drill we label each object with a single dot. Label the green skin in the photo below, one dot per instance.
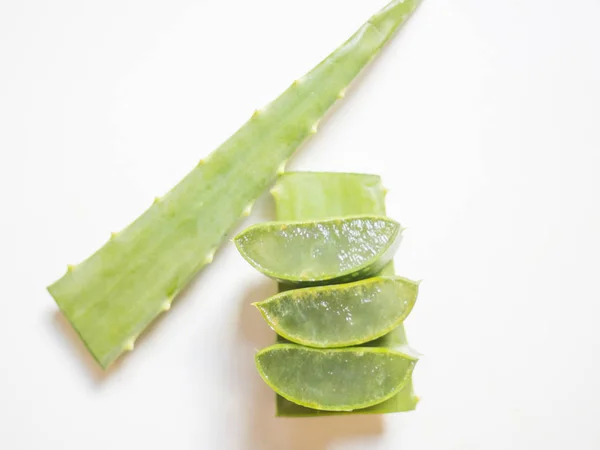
(317, 196)
(340, 315)
(321, 252)
(112, 296)
(340, 379)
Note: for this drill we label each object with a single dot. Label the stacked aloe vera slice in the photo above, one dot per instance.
(341, 346)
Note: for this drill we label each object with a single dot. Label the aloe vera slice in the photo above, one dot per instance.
(112, 296)
(340, 315)
(317, 252)
(321, 195)
(340, 379)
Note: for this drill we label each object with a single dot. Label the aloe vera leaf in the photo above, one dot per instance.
(340, 315)
(321, 252)
(341, 379)
(112, 296)
(321, 195)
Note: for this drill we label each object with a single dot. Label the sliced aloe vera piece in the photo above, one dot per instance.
(405, 400)
(340, 315)
(112, 296)
(321, 195)
(318, 252)
(342, 379)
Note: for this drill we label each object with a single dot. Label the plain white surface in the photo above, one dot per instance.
(482, 118)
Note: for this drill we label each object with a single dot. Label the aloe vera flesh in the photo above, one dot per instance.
(113, 295)
(340, 379)
(321, 195)
(340, 315)
(321, 252)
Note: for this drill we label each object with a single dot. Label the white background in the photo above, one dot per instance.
(482, 118)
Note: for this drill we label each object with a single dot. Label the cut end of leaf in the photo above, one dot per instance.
(286, 251)
(334, 379)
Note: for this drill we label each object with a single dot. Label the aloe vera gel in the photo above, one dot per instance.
(334, 379)
(340, 315)
(321, 252)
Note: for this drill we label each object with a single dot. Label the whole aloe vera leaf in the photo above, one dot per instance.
(334, 379)
(321, 195)
(340, 315)
(322, 251)
(112, 296)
